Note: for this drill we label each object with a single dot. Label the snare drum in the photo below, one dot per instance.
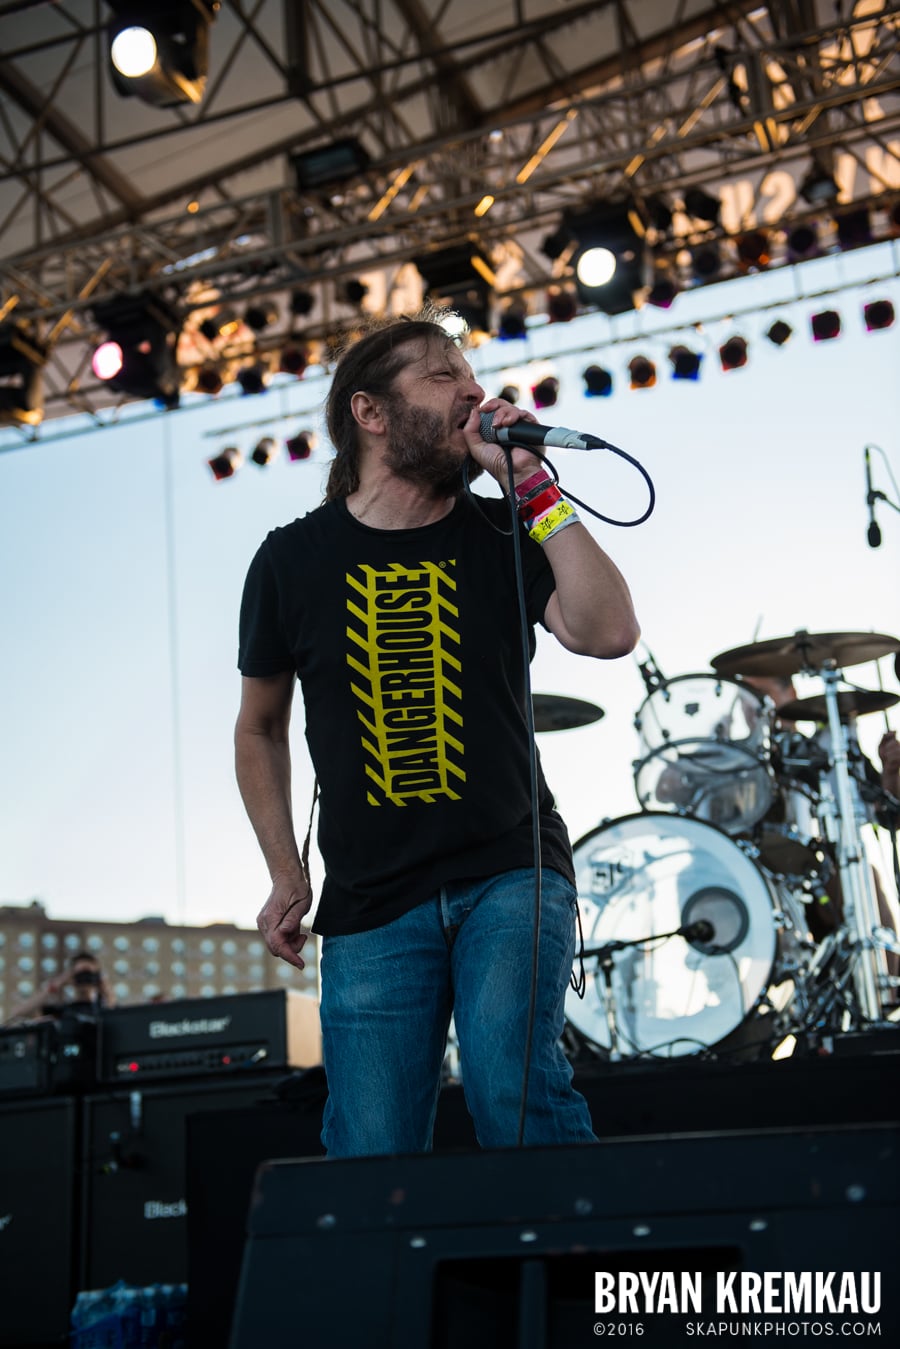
(705, 752)
(646, 875)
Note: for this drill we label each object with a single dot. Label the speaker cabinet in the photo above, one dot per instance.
(134, 1177)
(38, 1150)
(498, 1250)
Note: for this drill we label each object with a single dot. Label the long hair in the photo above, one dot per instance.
(371, 363)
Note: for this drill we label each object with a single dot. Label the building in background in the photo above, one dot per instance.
(143, 960)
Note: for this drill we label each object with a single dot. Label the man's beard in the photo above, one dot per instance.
(416, 449)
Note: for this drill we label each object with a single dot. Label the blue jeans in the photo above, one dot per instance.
(387, 997)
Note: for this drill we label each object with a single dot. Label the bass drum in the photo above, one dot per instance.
(643, 876)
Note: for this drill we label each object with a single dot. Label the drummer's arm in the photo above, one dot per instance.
(590, 612)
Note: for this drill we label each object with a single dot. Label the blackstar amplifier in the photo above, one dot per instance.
(48, 1056)
(196, 1037)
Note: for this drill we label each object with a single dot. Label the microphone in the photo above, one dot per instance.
(530, 435)
(873, 533)
(701, 931)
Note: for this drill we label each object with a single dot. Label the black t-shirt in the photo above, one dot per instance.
(408, 649)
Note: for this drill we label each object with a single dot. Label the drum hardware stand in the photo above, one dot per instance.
(859, 901)
(605, 958)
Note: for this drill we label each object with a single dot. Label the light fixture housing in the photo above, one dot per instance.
(329, 165)
(733, 353)
(145, 327)
(175, 72)
(642, 372)
(545, 393)
(610, 254)
(459, 277)
(685, 363)
(22, 359)
(826, 326)
(598, 382)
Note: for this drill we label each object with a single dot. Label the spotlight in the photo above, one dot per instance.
(660, 214)
(701, 206)
(300, 446)
(561, 306)
(818, 187)
(685, 363)
(224, 323)
(854, 228)
(598, 383)
(555, 244)
(264, 451)
(160, 52)
(462, 278)
(258, 317)
(138, 358)
(609, 258)
(21, 380)
(354, 292)
(302, 302)
(754, 251)
(510, 393)
(292, 361)
(226, 463)
(252, 379)
(826, 326)
(642, 372)
(512, 325)
(662, 293)
(733, 353)
(208, 380)
(802, 242)
(706, 262)
(330, 164)
(545, 393)
(779, 333)
(878, 315)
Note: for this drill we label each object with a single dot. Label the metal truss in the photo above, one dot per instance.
(481, 123)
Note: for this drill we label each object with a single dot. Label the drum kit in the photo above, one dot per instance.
(737, 912)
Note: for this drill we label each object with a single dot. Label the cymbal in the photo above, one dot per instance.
(553, 712)
(850, 702)
(804, 651)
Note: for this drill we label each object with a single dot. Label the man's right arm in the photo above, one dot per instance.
(263, 768)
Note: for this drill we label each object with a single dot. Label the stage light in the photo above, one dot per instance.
(609, 256)
(223, 324)
(754, 250)
(226, 463)
(293, 360)
(802, 242)
(138, 356)
(706, 262)
(733, 353)
(701, 206)
(826, 326)
(512, 325)
(818, 186)
(160, 52)
(878, 315)
(598, 383)
(354, 292)
(300, 446)
(252, 379)
(555, 244)
(685, 363)
(302, 302)
(329, 165)
(642, 372)
(561, 306)
(663, 291)
(264, 451)
(779, 333)
(209, 380)
(510, 393)
(854, 228)
(258, 317)
(545, 393)
(21, 380)
(462, 278)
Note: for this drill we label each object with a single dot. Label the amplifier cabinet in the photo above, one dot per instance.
(134, 1188)
(197, 1037)
(38, 1152)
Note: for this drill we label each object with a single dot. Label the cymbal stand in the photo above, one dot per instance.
(860, 904)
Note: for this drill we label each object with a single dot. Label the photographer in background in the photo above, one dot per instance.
(81, 989)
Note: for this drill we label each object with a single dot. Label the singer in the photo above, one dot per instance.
(395, 605)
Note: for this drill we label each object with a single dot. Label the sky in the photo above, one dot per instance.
(125, 561)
